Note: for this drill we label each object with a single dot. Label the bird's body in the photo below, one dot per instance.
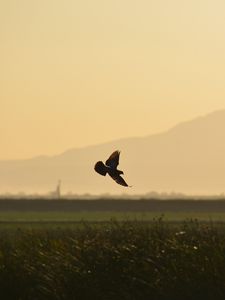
(110, 167)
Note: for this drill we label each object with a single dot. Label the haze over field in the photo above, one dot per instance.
(188, 158)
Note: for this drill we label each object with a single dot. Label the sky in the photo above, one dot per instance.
(76, 73)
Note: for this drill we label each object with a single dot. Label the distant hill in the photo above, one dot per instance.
(188, 158)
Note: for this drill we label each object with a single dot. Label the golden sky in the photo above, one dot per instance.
(75, 73)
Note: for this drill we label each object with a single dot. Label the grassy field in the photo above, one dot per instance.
(114, 260)
(58, 250)
(100, 216)
(98, 210)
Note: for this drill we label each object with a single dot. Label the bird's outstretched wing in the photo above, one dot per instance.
(113, 160)
(100, 168)
(118, 179)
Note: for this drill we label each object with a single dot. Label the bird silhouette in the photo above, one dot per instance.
(110, 167)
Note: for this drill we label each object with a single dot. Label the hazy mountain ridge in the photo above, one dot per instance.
(189, 157)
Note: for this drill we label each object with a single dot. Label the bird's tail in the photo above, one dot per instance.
(100, 168)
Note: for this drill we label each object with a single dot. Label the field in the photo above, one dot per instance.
(66, 218)
(72, 253)
(116, 260)
(100, 210)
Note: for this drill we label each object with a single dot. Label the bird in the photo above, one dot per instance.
(110, 167)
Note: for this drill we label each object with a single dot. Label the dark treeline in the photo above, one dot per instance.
(113, 205)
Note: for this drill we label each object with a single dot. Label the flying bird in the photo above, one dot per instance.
(110, 167)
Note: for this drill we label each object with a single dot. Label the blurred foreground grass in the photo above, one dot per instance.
(114, 260)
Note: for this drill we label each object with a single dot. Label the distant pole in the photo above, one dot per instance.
(58, 190)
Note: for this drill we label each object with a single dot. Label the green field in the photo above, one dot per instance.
(99, 216)
(57, 250)
(130, 260)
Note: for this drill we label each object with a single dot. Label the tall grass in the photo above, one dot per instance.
(116, 260)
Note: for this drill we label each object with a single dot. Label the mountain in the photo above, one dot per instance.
(188, 158)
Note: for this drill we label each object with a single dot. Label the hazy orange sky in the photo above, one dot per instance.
(75, 73)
